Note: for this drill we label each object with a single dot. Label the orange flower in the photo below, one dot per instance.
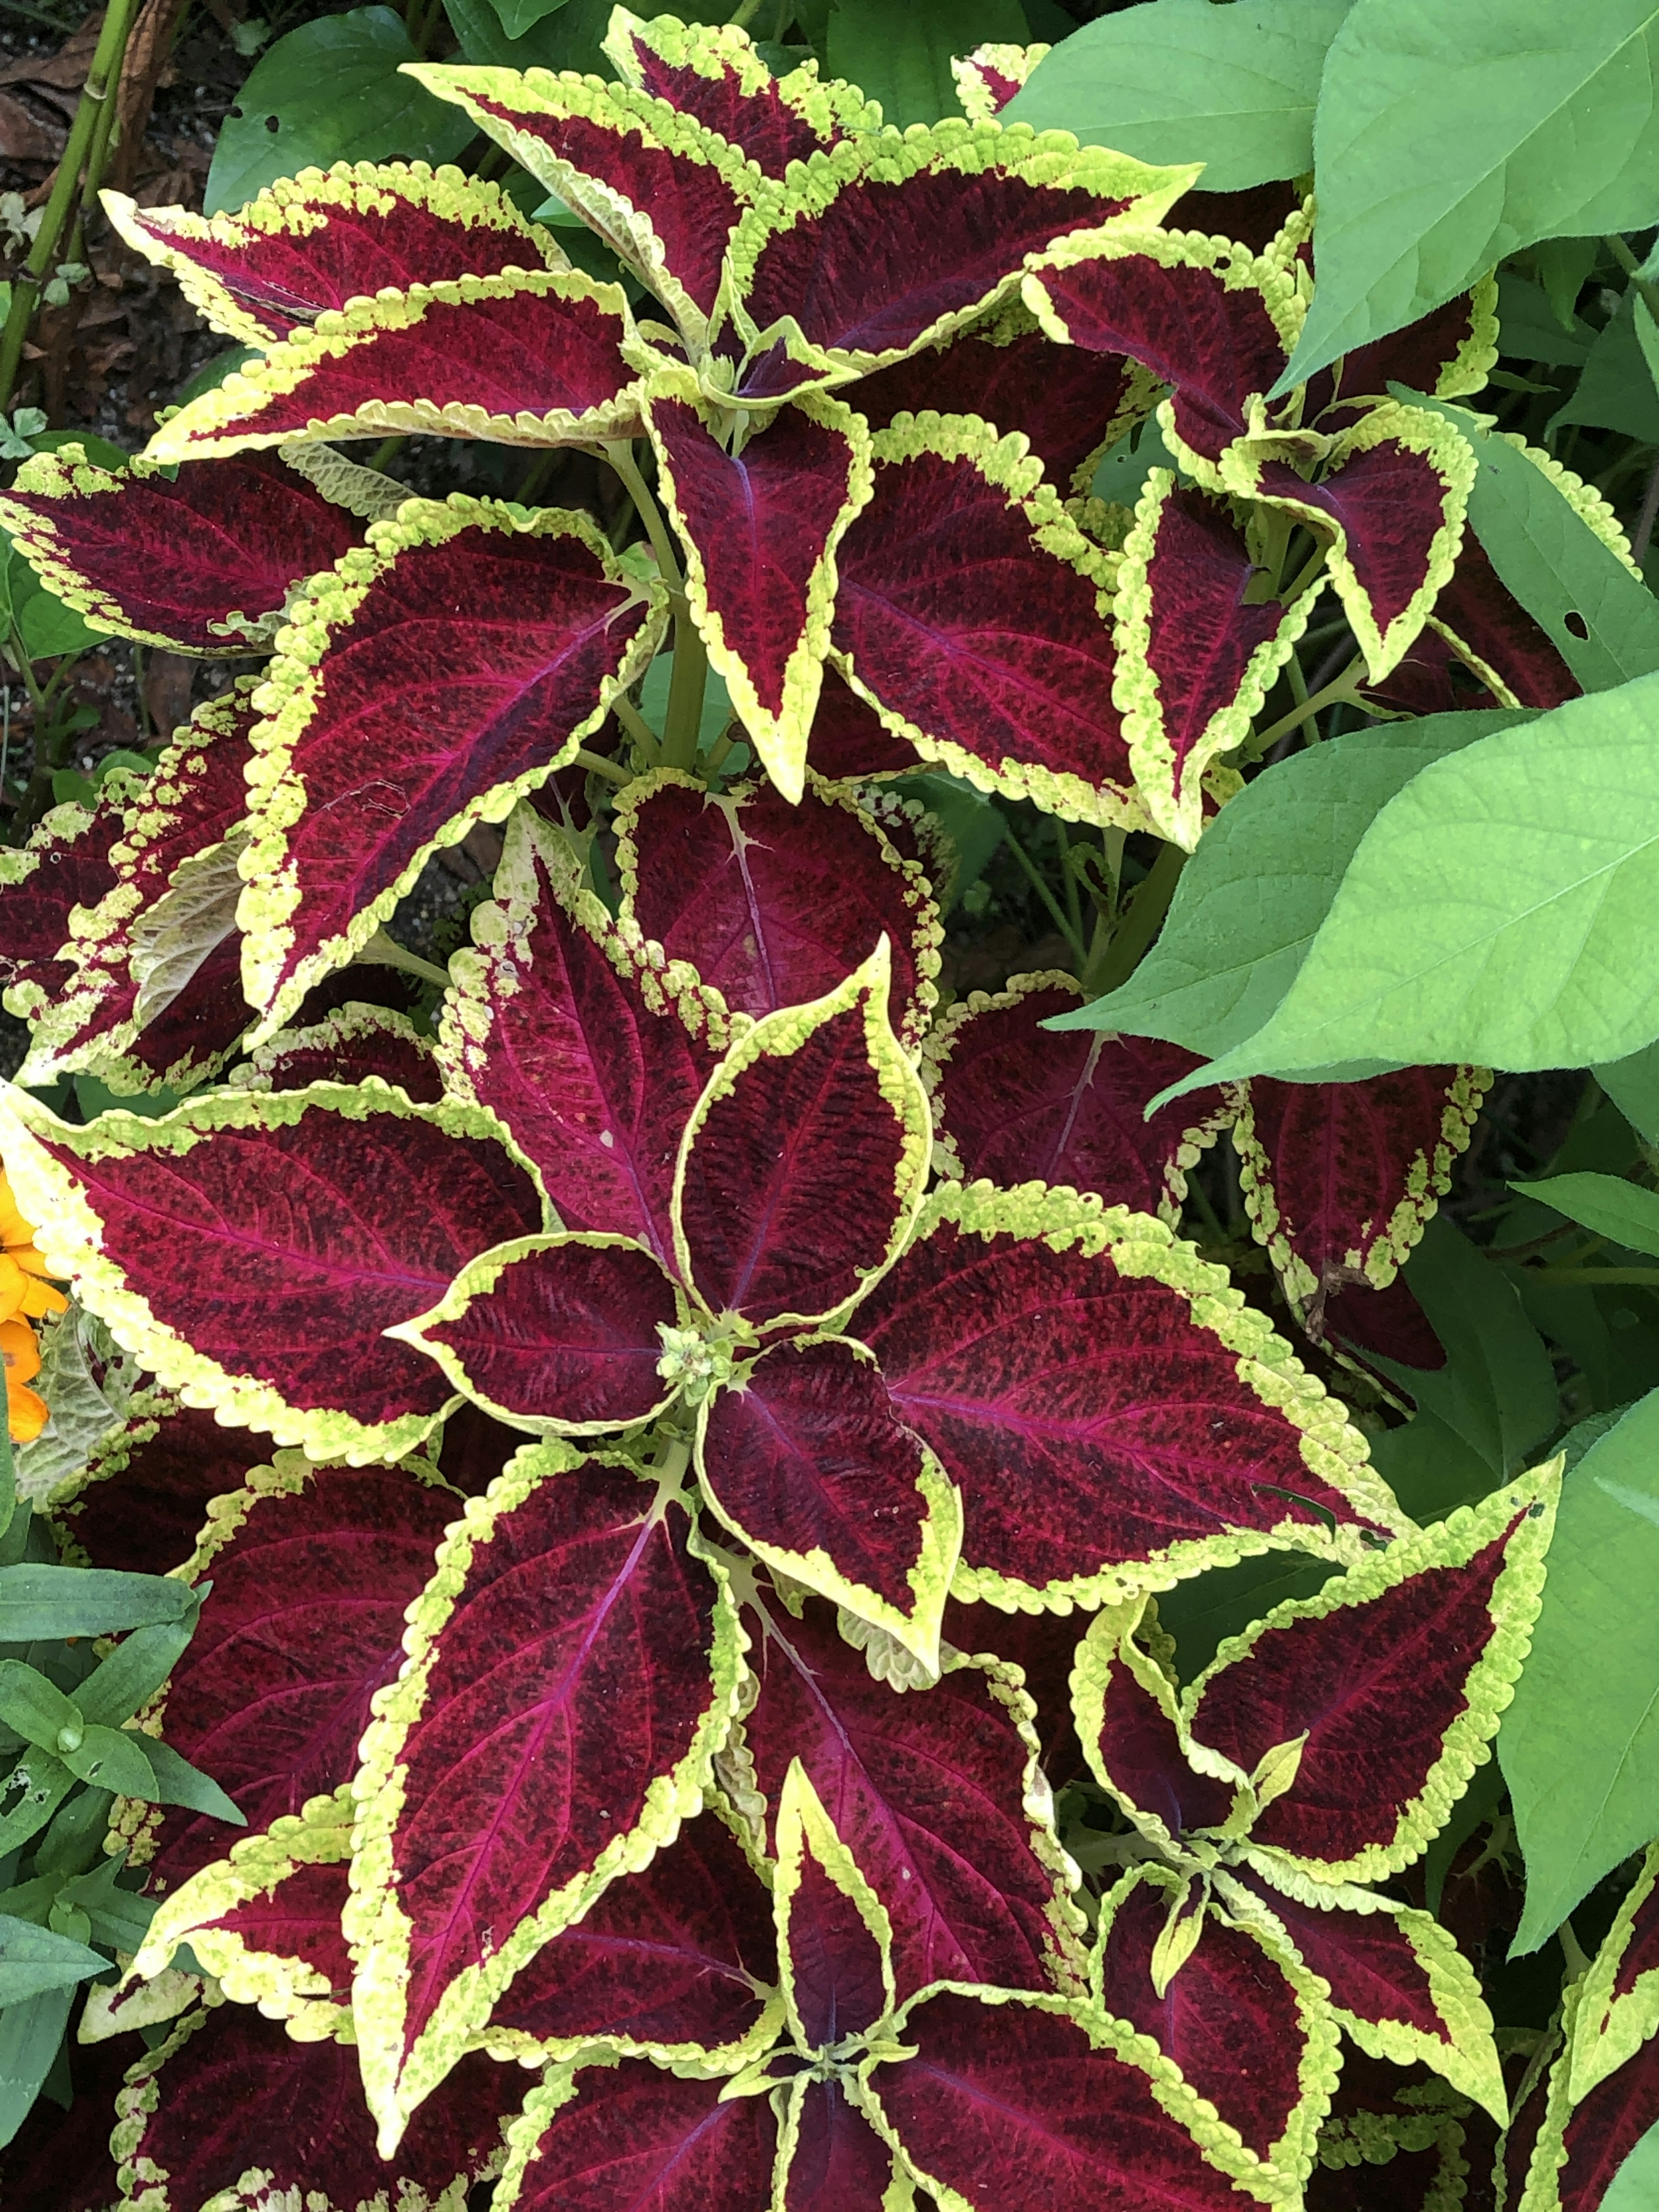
(25, 1295)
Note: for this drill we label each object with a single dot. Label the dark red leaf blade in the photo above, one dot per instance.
(140, 1503)
(1489, 629)
(834, 1935)
(934, 1794)
(1246, 2026)
(886, 246)
(1446, 353)
(804, 1460)
(253, 1248)
(560, 1334)
(770, 904)
(971, 615)
(1001, 2096)
(573, 1668)
(201, 565)
(1340, 1178)
(1130, 1727)
(355, 1043)
(1206, 317)
(65, 864)
(1107, 1433)
(634, 2137)
(465, 657)
(302, 246)
(1014, 1103)
(1070, 403)
(836, 2160)
(311, 1575)
(672, 1963)
(804, 1164)
(760, 528)
(229, 2093)
(1044, 1649)
(713, 72)
(549, 1026)
(1392, 1680)
(1597, 2135)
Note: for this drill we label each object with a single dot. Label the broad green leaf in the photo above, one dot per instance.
(1529, 330)
(1253, 896)
(1632, 1084)
(1602, 620)
(33, 1959)
(1580, 1745)
(1647, 339)
(1448, 138)
(517, 16)
(59, 1601)
(1125, 466)
(84, 1406)
(30, 2034)
(1185, 80)
(567, 39)
(1202, 1611)
(1498, 911)
(975, 826)
(1497, 1392)
(75, 1839)
(1614, 390)
(45, 627)
(1606, 1204)
(332, 89)
(1635, 2187)
(35, 1709)
(902, 56)
(112, 1759)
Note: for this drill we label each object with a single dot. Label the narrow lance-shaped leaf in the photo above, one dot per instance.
(253, 1250)
(515, 635)
(573, 1668)
(304, 244)
(835, 1940)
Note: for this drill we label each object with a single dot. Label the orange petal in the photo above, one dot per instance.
(26, 1412)
(41, 1298)
(20, 1351)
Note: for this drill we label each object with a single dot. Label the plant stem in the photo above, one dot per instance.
(597, 765)
(1628, 261)
(637, 728)
(1140, 925)
(387, 450)
(684, 719)
(1039, 884)
(743, 14)
(1307, 707)
(384, 951)
(1648, 1275)
(620, 455)
(1642, 537)
(1068, 880)
(43, 255)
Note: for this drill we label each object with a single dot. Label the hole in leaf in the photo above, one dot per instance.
(271, 124)
(1576, 623)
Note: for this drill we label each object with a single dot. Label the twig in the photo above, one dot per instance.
(1140, 925)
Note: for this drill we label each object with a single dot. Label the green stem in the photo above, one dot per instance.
(684, 719)
(387, 450)
(1648, 1275)
(1140, 925)
(43, 255)
(1307, 707)
(637, 728)
(597, 765)
(620, 455)
(384, 951)
(1068, 880)
(1631, 267)
(743, 14)
(1039, 884)
(1311, 567)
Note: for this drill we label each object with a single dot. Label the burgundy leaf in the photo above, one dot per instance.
(837, 2162)
(145, 1492)
(305, 245)
(347, 1046)
(1493, 632)
(472, 1449)
(298, 1919)
(286, 1247)
(1389, 1321)
(65, 864)
(673, 1958)
(1089, 1419)
(833, 1962)
(1230, 2019)
(544, 1031)
(560, 1696)
(1001, 2098)
(562, 1332)
(804, 1161)
(1444, 354)
(235, 2094)
(304, 1624)
(1043, 1646)
(1341, 1177)
(1375, 1707)
(774, 904)
(850, 739)
(927, 1790)
(194, 1034)
(199, 565)
(1199, 315)
(59, 2160)
(636, 2140)
(458, 664)
(1254, 218)
(984, 647)
(1070, 403)
(197, 793)
(1604, 2130)
(1015, 1103)
(1410, 2180)
(717, 76)
(1373, 1970)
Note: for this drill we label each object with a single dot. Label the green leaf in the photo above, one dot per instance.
(75, 1839)
(569, 39)
(975, 826)
(30, 1793)
(1497, 1391)
(333, 91)
(1580, 1745)
(47, 627)
(58, 1602)
(33, 1959)
(212, 374)
(1614, 390)
(1635, 2187)
(518, 16)
(85, 1406)
(35, 1709)
(1632, 1084)
(179, 1783)
(1529, 330)
(1602, 620)
(1201, 1612)
(1125, 466)
(1497, 911)
(30, 2036)
(119, 1918)
(902, 56)
(1253, 896)
(1448, 138)
(112, 1759)
(1607, 1205)
(134, 1672)
(1184, 81)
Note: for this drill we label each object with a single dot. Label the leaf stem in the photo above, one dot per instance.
(1039, 884)
(1140, 925)
(683, 721)
(1648, 1275)
(637, 728)
(1632, 268)
(384, 951)
(743, 14)
(96, 96)
(1307, 707)
(620, 454)
(1068, 880)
